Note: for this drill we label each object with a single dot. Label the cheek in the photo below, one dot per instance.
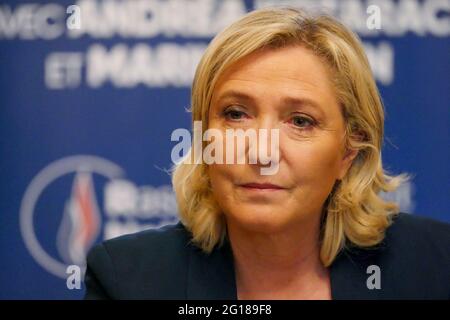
(222, 183)
(317, 161)
(220, 177)
(214, 176)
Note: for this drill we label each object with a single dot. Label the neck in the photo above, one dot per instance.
(277, 263)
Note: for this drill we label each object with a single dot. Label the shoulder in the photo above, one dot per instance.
(147, 261)
(419, 243)
(417, 258)
(413, 259)
(425, 235)
(153, 242)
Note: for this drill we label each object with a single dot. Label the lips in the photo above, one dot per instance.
(261, 186)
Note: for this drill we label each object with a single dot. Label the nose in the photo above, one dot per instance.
(264, 151)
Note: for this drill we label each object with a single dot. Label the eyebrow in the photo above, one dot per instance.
(295, 101)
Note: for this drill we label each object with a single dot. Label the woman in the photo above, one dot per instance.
(316, 228)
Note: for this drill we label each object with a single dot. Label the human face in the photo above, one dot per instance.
(288, 89)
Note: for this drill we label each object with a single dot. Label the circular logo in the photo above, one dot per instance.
(81, 219)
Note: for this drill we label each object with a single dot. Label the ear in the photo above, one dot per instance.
(346, 162)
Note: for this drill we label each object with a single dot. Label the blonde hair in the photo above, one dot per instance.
(354, 211)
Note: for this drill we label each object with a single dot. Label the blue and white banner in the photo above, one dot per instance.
(91, 90)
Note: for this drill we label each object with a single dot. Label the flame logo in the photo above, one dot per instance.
(81, 221)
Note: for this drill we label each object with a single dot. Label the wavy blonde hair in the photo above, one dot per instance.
(354, 212)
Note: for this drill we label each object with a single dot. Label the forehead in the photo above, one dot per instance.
(287, 72)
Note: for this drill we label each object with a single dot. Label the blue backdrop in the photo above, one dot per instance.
(87, 110)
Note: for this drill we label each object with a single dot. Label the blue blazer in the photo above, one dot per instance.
(414, 262)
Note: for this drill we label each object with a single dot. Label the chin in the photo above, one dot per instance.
(263, 219)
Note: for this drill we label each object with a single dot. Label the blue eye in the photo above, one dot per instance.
(233, 114)
(302, 122)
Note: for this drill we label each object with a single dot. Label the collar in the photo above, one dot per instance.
(213, 277)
